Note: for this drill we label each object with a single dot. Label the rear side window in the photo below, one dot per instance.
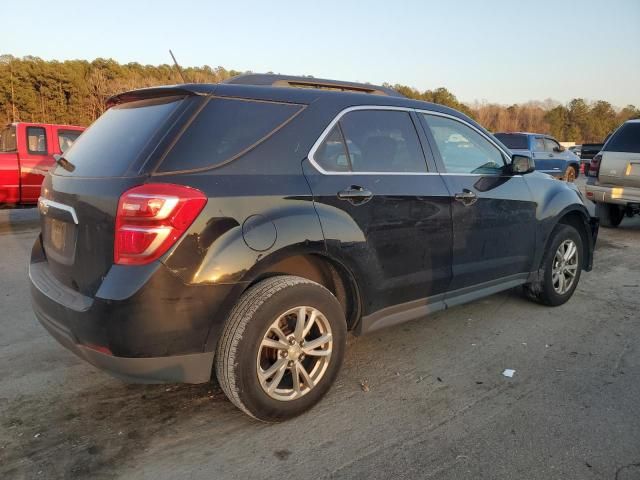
(372, 141)
(513, 141)
(8, 139)
(37, 140)
(225, 129)
(66, 138)
(119, 137)
(625, 139)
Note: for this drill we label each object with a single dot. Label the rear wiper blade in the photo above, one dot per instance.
(64, 163)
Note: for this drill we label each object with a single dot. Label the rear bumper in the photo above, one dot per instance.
(190, 368)
(617, 195)
(144, 325)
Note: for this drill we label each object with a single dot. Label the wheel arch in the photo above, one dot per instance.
(578, 217)
(320, 268)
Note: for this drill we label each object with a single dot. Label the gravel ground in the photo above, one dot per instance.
(437, 404)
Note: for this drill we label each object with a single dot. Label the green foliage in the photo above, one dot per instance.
(440, 95)
(583, 122)
(75, 91)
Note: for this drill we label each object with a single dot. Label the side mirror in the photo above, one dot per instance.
(521, 164)
(559, 149)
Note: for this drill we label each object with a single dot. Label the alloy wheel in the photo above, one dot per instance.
(565, 267)
(294, 353)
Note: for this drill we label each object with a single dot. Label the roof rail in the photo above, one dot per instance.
(310, 82)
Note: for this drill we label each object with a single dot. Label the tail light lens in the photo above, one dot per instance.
(151, 218)
(594, 166)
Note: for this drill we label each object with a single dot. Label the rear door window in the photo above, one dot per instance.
(382, 141)
(625, 139)
(224, 130)
(37, 140)
(513, 141)
(66, 138)
(369, 141)
(119, 138)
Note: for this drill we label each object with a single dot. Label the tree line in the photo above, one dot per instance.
(75, 92)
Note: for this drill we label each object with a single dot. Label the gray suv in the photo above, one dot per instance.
(614, 176)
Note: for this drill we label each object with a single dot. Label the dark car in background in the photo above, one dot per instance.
(245, 227)
(549, 156)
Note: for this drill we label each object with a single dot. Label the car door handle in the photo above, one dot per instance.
(355, 194)
(467, 197)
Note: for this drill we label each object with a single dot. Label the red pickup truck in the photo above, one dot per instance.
(26, 154)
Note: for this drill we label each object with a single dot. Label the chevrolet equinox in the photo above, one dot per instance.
(246, 227)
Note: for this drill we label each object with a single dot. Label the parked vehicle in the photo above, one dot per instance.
(576, 150)
(550, 157)
(249, 225)
(587, 152)
(26, 154)
(614, 176)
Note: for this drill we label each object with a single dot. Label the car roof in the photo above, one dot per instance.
(306, 96)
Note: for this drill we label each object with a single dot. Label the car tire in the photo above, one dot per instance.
(550, 289)
(610, 215)
(245, 356)
(570, 174)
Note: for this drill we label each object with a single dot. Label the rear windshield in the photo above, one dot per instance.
(225, 129)
(119, 138)
(626, 139)
(513, 141)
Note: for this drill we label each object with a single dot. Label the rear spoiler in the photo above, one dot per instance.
(159, 92)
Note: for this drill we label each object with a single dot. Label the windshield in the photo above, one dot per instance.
(119, 138)
(513, 141)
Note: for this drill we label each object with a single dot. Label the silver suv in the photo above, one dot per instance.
(614, 176)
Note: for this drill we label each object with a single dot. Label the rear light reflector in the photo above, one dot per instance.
(594, 166)
(151, 218)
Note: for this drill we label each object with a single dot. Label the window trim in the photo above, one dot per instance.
(46, 141)
(343, 112)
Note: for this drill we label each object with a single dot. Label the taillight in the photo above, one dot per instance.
(151, 218)
(594, 166)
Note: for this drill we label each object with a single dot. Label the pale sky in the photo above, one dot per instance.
(495, 50)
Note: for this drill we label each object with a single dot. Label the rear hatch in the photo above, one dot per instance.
(620, 164)
(78, 204)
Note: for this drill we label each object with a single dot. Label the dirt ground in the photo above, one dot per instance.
(437, 405)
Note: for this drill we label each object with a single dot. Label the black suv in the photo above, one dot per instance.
(249, 225)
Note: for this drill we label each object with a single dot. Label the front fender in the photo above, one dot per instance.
(555, 200)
